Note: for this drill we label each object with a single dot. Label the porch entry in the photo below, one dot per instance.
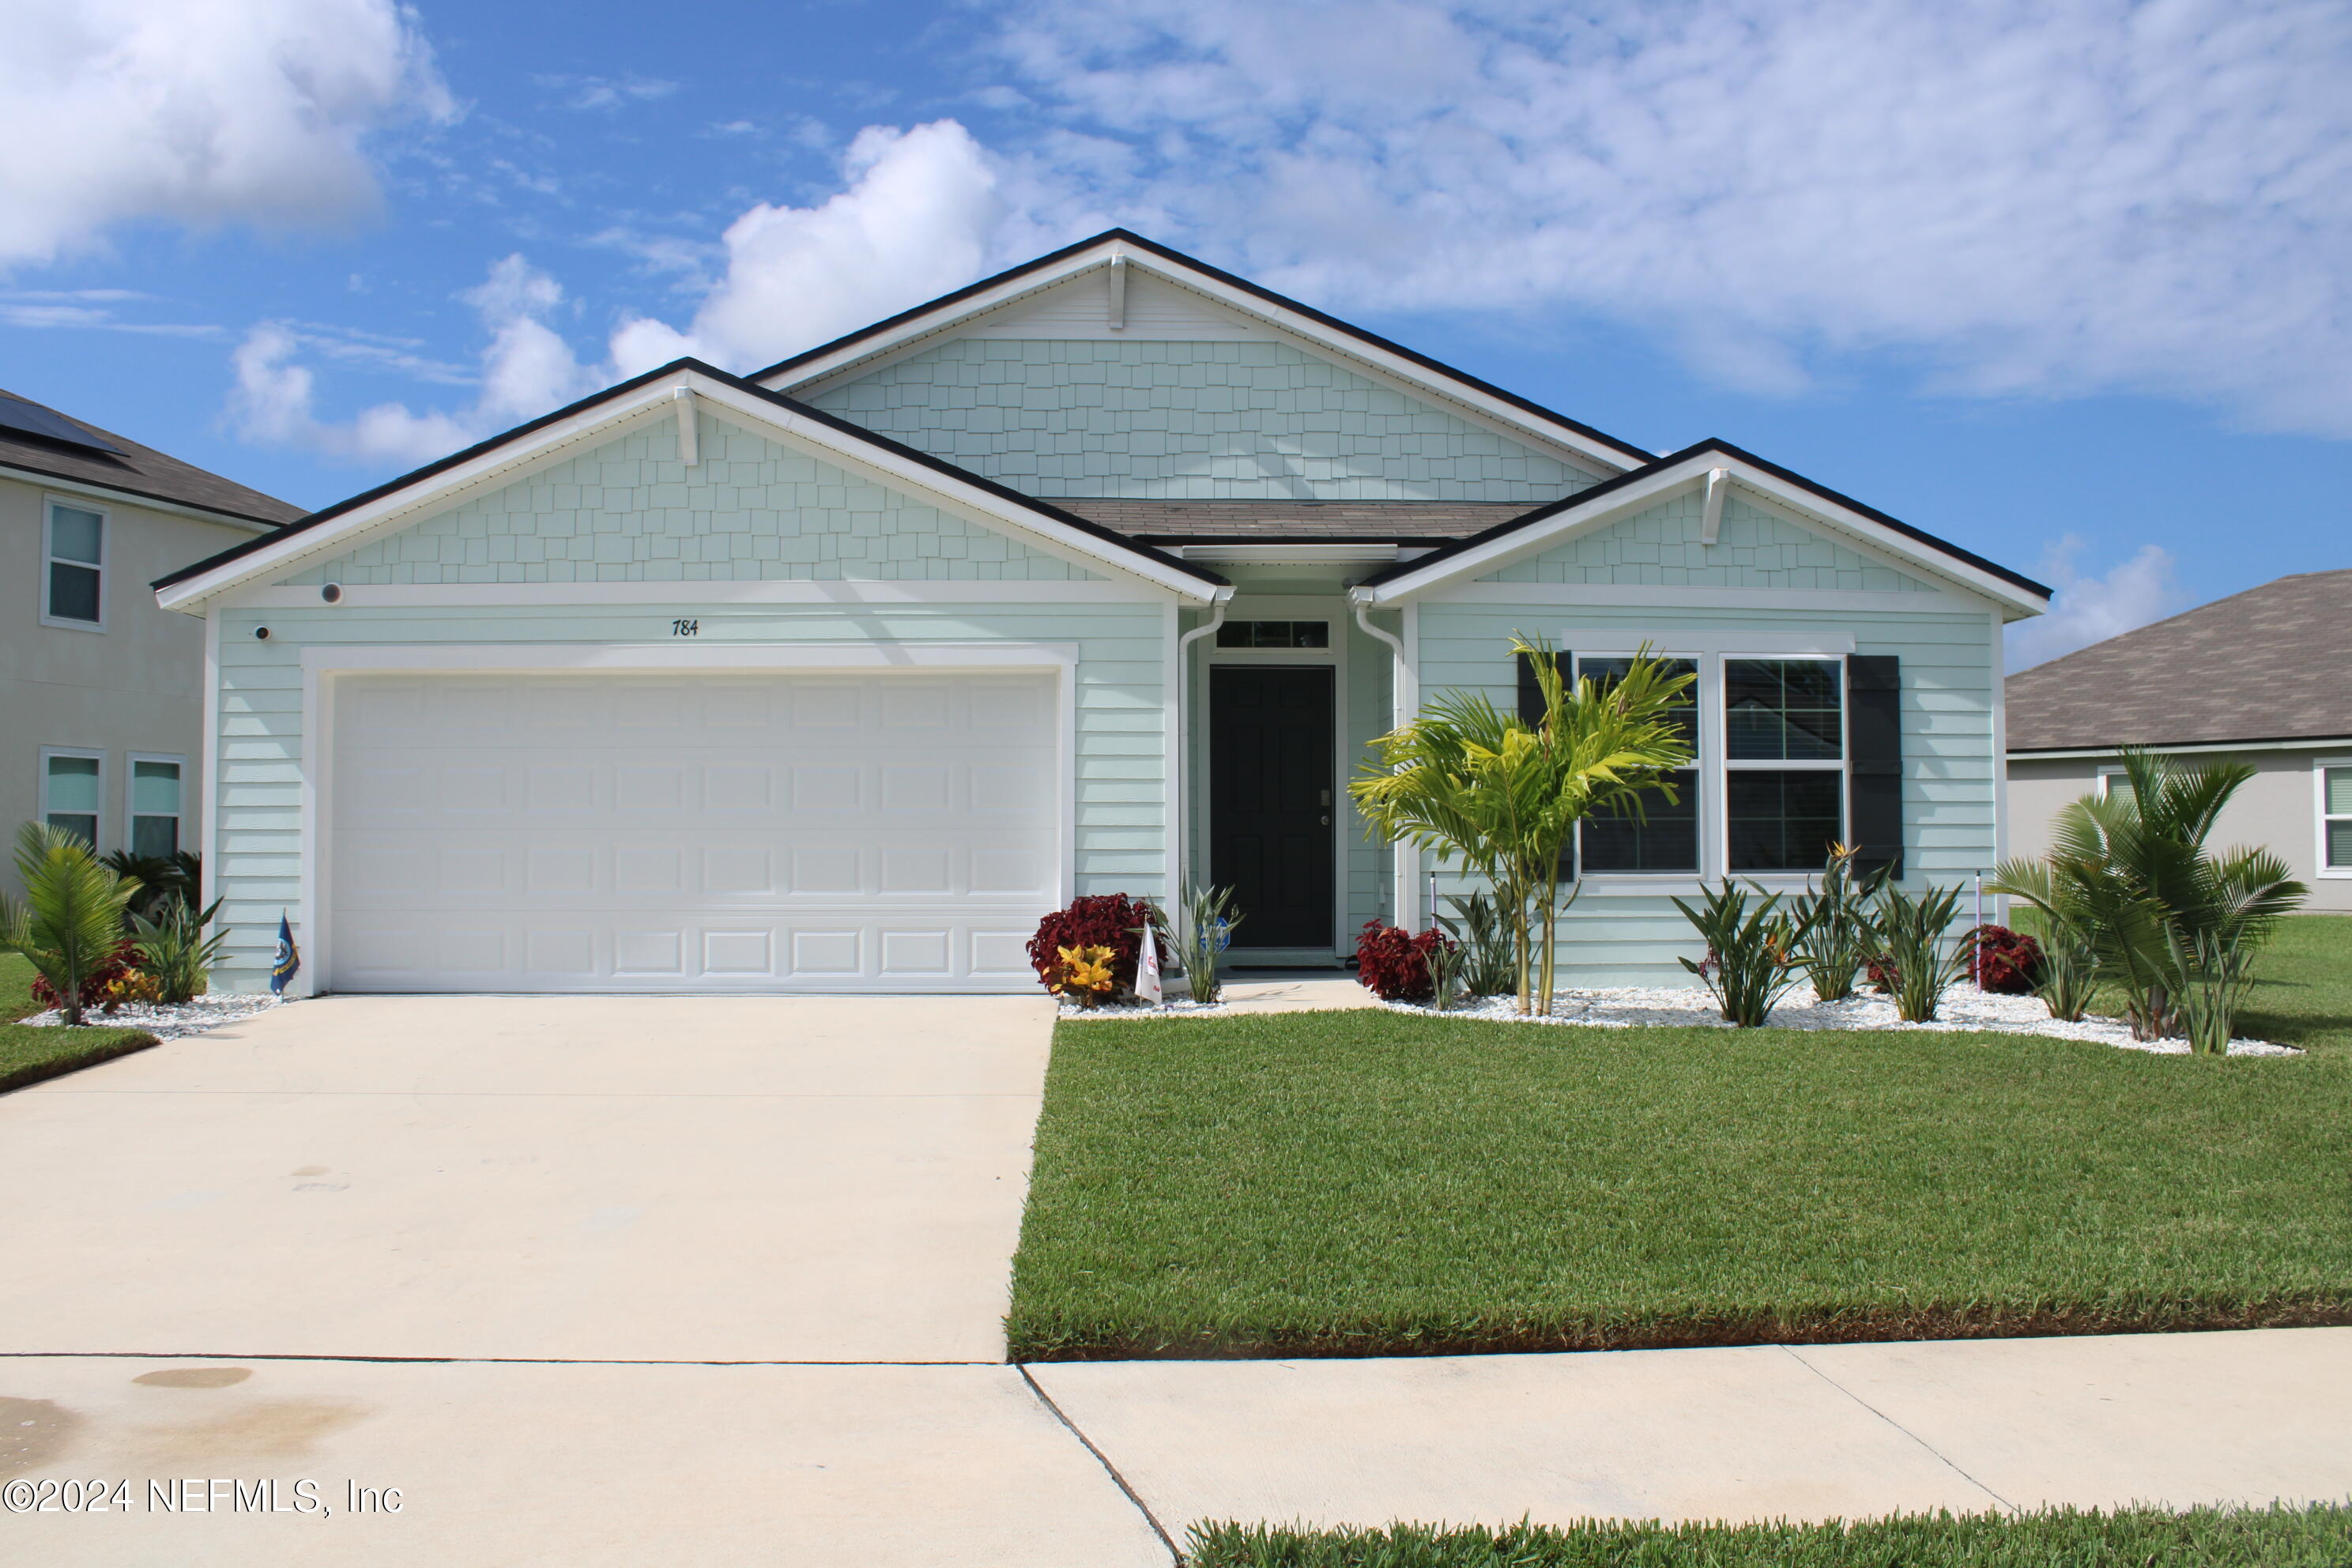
(1272, 801)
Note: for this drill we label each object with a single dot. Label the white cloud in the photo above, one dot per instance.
(526, 369)
(921, 214)
(2146, 195)
(605, 92)
(2086, 610)
(231, 110)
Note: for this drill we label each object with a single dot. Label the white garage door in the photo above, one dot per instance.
(668, 832)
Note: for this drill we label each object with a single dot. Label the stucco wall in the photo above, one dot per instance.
(1188, 420)
(2277, 807)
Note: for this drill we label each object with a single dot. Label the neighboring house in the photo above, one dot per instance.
(101, 693)
(1097, 576)
(2256, 678)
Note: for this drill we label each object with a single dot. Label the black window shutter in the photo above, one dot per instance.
(1875, 759)
(1531, 697)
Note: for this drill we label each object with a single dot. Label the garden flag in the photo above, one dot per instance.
(288, 960)
(1147, 966)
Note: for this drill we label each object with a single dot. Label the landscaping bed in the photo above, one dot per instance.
(1383, 1183)
(29, 1054)
(2316, 1537)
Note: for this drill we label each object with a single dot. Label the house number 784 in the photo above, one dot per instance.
(686, 629)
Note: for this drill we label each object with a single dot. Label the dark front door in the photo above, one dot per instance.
(1270, 800)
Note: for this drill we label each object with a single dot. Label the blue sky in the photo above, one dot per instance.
(2070, 290)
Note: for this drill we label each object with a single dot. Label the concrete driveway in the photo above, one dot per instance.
(615, 1178)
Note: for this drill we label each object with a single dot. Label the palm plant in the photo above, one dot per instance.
(162, 879)
(2130, 871)
(70, 917)
(1503, 796)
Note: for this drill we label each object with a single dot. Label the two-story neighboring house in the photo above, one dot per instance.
(1097, 576)
(101, 693)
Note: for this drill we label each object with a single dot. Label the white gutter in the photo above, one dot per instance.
(1182, 770)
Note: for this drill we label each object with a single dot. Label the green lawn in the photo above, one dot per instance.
(1355, 1183)
(2131, 1538)
(28, 1055)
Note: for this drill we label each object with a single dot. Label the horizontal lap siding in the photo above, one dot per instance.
(1121, 742)
(1947, 744)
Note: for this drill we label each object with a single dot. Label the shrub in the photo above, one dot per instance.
(112, 982)
(1918, 970)
(1751, 957)
(2003, 959)
(1111, 920)
(1393, 965)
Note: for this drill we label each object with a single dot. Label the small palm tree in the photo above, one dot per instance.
(1505, 797)
(72, 916)
(2130, 872)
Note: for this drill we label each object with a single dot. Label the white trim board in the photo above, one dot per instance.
(506, 464)
(1612, 642)
(2085, 754)
(1395, 370)
(1653, 596)
(689, 595)
(1841, 525)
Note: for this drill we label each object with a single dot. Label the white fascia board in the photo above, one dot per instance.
(2080, 753)
(506, 464)
(1393, 367)
(1618, 504)
(687, 595)
(1285, 554)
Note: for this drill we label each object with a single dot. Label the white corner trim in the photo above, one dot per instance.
(702, 656)
(689, 595)
(1719, 482)
(1579, 517)
(690, 442)
(506, 463)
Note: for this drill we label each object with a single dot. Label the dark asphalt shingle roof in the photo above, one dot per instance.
(1294, 522)
(137, 469)
(2274, 663)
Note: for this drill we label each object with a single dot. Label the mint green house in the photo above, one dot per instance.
(1097, 576)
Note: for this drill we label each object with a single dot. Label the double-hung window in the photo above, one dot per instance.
(155, 805)
(1663, 835)
(73, 573)
(1784, 763)
(73, 787)
(2335, 818)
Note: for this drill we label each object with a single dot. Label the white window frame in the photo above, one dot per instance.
(131, 812)
(1714, 761)
(2107, 776)
(2321, 817)
(49, 505)
(97, 824)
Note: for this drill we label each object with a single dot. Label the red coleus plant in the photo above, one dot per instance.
(2004, 959)
(108, 985)
(1109, 920)
(1393, 965)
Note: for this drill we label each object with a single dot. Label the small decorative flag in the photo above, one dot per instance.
(288, 961)
(1147, 966)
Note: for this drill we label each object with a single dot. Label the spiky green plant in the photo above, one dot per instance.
(1840, 933)
(173, 948)
(2130, 871)
(1475, 784)
(1911, 933)
(1489, 963)
(70, 917)
(1754, 957)
(1202, 937)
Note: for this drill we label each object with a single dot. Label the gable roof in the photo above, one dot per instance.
(272, 553)
(131, 469)
(1124, 247)
(2264, 665)
(1484, 551)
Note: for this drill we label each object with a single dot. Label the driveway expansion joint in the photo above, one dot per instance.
(1940, 1458)
(1174, 1556)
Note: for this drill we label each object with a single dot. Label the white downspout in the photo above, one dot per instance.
(1403, 700)
(1179, 774)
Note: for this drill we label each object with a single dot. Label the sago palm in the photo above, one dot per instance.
(1466, 781)
(70, 919)
(2130, 873)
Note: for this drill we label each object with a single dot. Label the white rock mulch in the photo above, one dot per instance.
(1173, 1007)
(170, 1021)
(1964, 1008)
